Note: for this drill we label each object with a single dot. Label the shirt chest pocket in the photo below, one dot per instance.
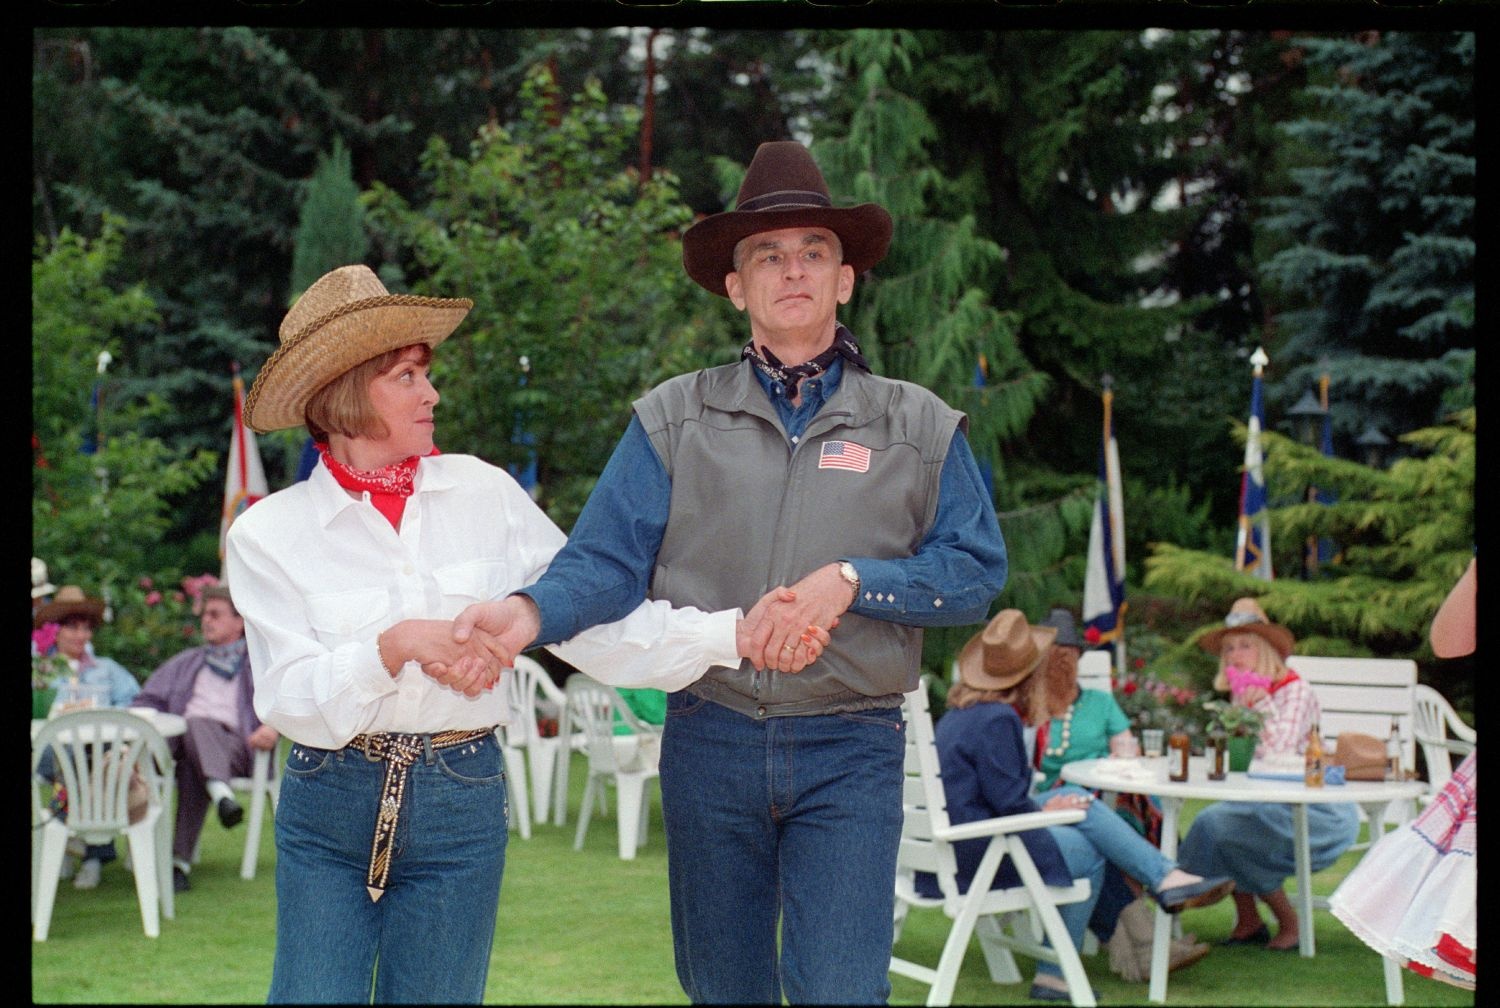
(463, 584)
(341, 617)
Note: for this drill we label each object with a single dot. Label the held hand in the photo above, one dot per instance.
(509, 626)
(818, 600)
(264, 737)
(811, 643)
(469, 667)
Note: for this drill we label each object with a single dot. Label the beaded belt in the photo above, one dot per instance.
(399, 751)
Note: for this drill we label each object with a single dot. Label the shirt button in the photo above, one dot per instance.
(407, 570)
(760, 712)
(937, 603)
(795, 439)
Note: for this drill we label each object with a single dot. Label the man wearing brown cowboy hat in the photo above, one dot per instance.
(793, 466)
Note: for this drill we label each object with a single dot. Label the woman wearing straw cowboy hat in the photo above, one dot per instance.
(985, 774)
(1251, 842)
(391, 821)
(794, 463)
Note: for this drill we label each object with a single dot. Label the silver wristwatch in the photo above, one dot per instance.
(849, 574)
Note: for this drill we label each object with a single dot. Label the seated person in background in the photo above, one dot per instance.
(1089, 724)
(1251, 842)
(211, 686)
(986, 774)
(78, 616)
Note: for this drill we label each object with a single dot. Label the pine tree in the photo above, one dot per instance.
(331, 222)
(1376, 268)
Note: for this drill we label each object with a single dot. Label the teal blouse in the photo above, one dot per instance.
(1096, 718)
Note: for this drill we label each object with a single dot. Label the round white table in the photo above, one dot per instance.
(1149, 776)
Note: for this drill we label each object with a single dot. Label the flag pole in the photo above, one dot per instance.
(1254, 537)
(1104, 577)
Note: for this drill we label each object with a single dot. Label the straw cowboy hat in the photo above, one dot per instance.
(1246, 616)
(1005, 652)
(342, 320)
(70, 601)
(782, 188)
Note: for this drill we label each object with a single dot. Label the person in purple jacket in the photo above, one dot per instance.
(211, 686)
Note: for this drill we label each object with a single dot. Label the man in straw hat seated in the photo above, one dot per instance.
(793, 466)
(981, 748)
(391, 821)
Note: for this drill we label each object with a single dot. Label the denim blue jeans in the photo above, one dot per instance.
(428, 938)
(1100, 839)
(789, 819)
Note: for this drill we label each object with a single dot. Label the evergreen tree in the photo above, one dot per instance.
(1375, 269)
(331, 222)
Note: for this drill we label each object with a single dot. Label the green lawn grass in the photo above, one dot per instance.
(584, 927)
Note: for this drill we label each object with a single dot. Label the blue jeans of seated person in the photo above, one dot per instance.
(789, 818)
(428, 938)
(1100, 839)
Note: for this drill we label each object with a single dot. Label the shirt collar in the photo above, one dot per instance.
(329, 499)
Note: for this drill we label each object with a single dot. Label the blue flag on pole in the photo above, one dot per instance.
(1104, 582)
(1252, 548)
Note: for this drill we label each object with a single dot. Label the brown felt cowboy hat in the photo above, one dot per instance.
(782, 188)
(70, 601)
(345, 318)
(1005, 652)
(1246, 616)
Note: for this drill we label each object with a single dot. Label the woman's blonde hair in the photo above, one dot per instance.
(343, 406)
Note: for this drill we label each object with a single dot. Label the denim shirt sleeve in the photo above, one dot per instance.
(603, 572)
(959, 567)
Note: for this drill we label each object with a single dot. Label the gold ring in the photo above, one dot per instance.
(788, 647)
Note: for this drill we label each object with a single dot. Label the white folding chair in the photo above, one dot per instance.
(627, 761)
(1005, 920)
(1432, 720)
(94, 754)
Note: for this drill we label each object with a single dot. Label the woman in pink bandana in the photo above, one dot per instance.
(1251, 842)
(391, 821)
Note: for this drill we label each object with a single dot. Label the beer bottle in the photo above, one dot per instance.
(1313, 758)
(1178, 746)
(1393, 754)
(1215, 749)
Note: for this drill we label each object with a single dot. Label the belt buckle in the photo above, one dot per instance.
(365, 746)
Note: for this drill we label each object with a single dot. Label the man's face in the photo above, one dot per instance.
(220, 624)
(791, 283)
(73, 635)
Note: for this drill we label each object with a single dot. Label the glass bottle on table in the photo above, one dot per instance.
(1393, 753)
(1179, 747)
(1216, 754)
(1312, 773)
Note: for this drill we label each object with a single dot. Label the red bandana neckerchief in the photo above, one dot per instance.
(1285, 680)
(388, 487)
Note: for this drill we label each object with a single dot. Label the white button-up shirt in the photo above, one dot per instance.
(318, 574)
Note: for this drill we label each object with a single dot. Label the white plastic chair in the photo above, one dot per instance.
(626, 761)
(1433, 718)
(1004, 919)
(264, 785)
(533, 683)
(94, 753)
(512, 738)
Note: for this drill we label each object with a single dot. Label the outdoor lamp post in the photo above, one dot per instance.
(1307, 412)
(1373, 443)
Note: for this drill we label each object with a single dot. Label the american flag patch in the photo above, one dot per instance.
(844, 455)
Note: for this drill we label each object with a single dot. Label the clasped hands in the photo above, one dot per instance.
(786, 630)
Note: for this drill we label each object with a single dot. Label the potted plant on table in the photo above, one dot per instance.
(1241, 726)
